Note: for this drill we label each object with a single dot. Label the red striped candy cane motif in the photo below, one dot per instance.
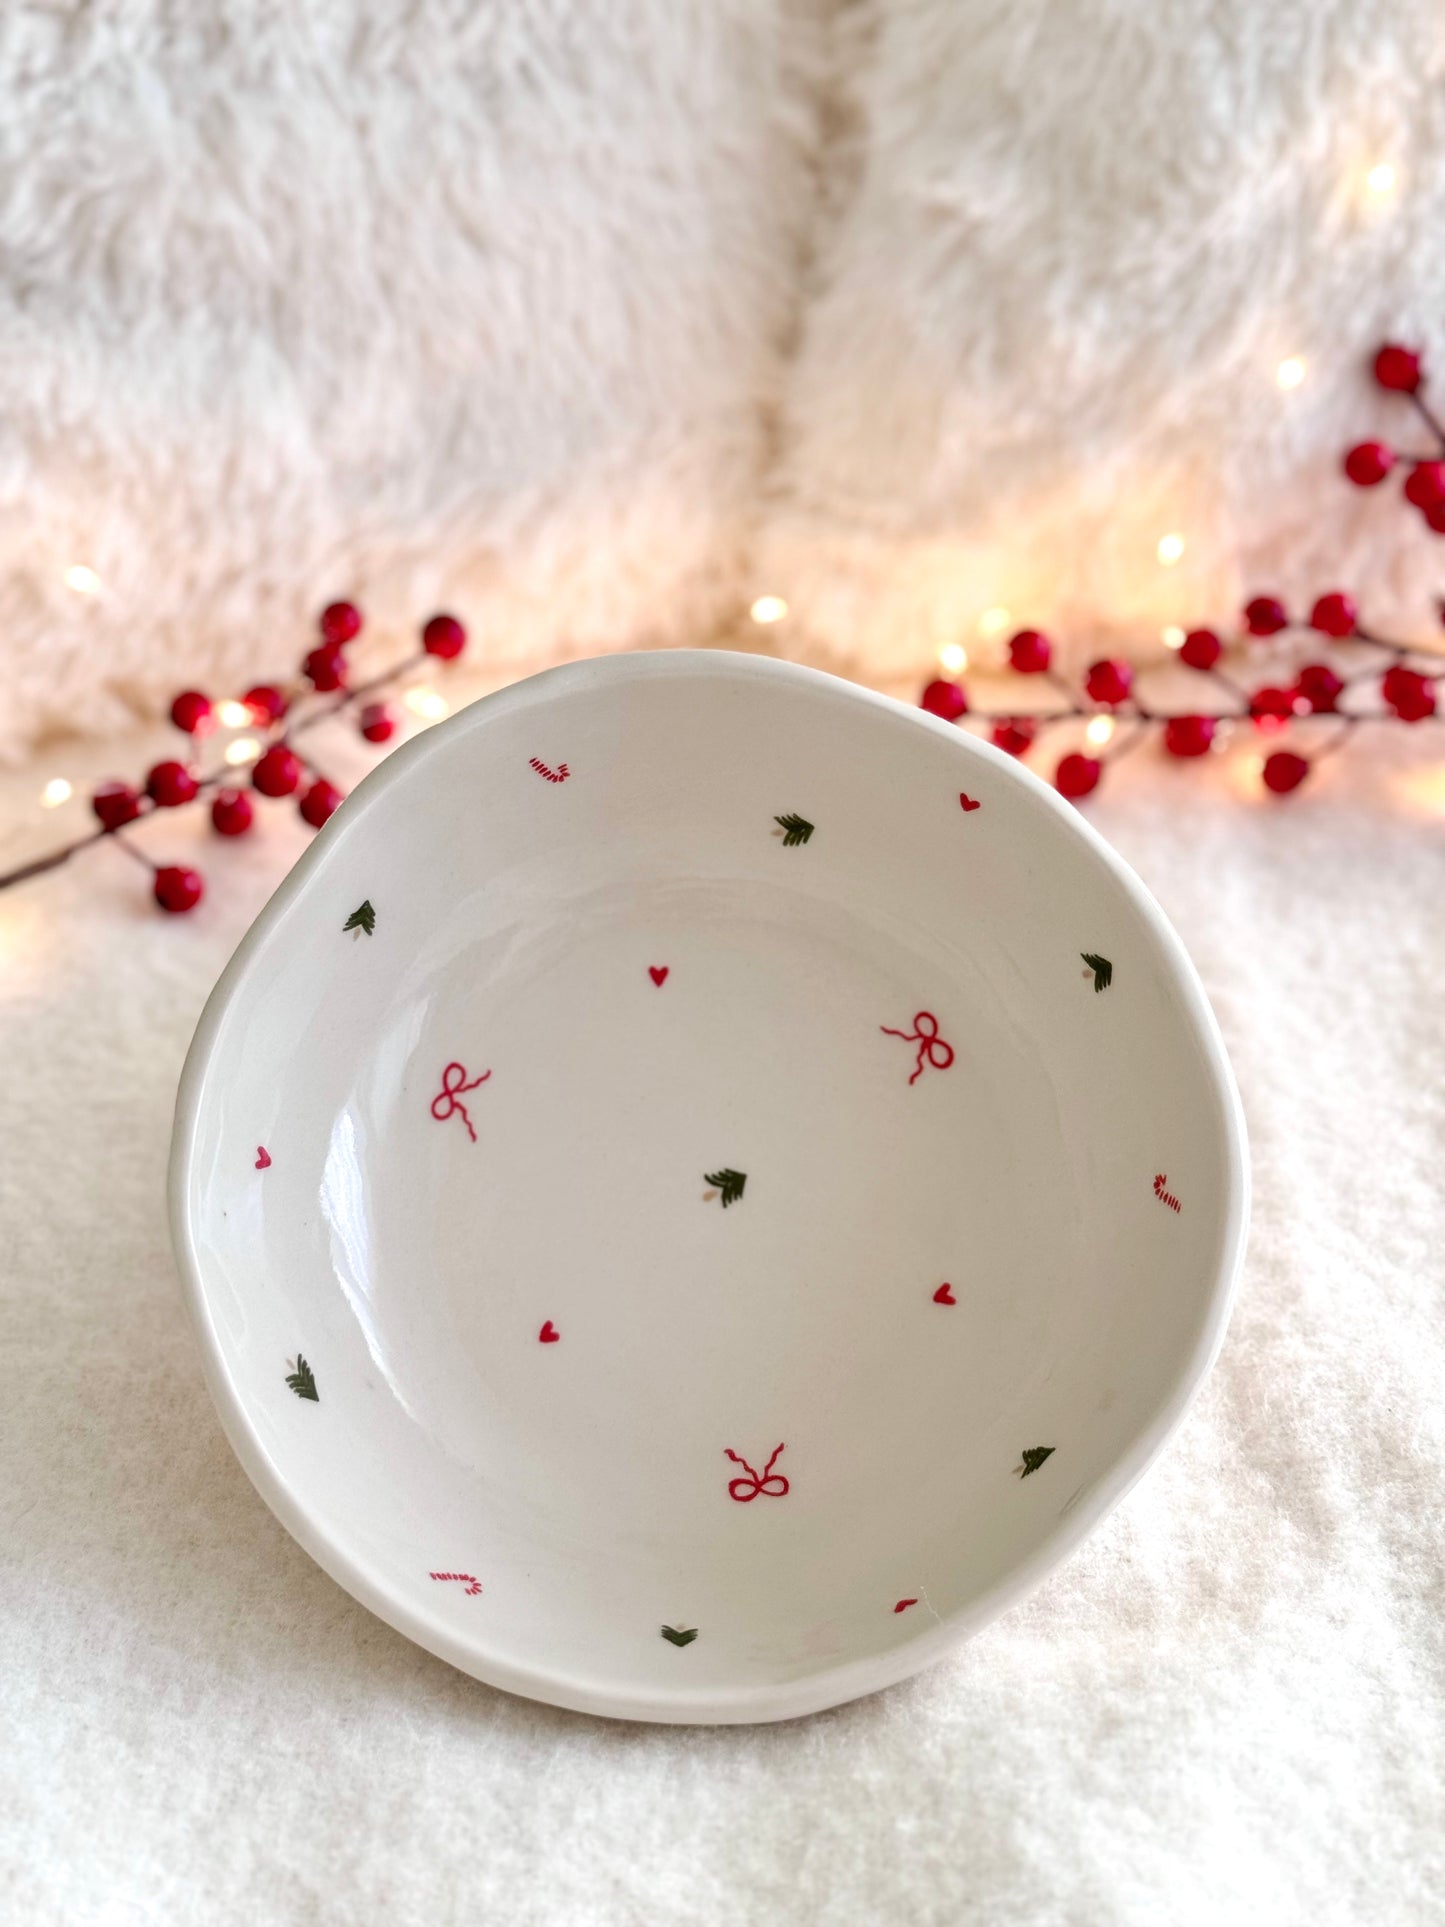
(471, 1584)
(558, 775)
(1163, 1194)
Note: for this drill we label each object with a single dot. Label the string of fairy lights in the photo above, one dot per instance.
(258, 735)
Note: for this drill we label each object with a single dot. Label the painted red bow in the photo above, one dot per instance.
(771, 1485)
(925, 1034)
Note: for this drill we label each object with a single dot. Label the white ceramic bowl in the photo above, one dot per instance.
(701, 1188)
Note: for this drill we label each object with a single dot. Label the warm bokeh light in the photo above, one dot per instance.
(1290, 372)
(954, 658)
(1381, 178)
(56, 792)
(1099, 731)
(84, 581)
(1172, 636)
(244, 750)
(768, 608)
(1171, 547)
(233, 715)
(429, 704)
(993, 622)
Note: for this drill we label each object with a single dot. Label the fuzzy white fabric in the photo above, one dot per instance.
(478, 306)
(593, 322)
(1228, 1707)
(1069, 244)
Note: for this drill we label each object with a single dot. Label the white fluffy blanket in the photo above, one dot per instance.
(1228, 1710)
(594, 322)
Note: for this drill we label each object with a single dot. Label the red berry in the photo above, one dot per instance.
(1265, 616)
(1318, 686)
(444, 636)
(1271, 707)
(1108, 681)
(1076, 775)
(1415, 709)
(115, 803)
(1334, 614)
(177, 889)
(277, 771)
(1201, 649)
(1188, 735)
(1368, 463)
(266, 703)
(1408, 693)
(1398, 368)
(1435, 516)
(1425, 485)
(325, 668)
(1284, 771)
(1030, 652)
(319, 802)
(191, 711)
(945, 699)
(340, 622)
(1013, 734)
(378, 723)
(231, 812)
(170, 784)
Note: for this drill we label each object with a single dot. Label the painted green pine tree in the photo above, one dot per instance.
(301, 1379)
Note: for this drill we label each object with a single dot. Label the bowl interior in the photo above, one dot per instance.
(745, 1176)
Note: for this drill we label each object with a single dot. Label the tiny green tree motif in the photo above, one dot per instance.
(363, 917)
(728, 1183)
(1033, 1459)
(796, 829)
(679, 1635)
(301, 1380)
(1103, 970)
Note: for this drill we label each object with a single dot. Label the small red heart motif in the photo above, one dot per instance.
(263, 1158)
(549, 1333)
(904, 1604)
(967, 802)
(658, 973)
(944, 1296)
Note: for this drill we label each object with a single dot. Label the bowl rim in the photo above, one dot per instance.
(850, 1679)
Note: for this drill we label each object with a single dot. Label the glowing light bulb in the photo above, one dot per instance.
(993, 622)
(84, 581)
(1099, 731)
(56, 792)
(1172, 636)
(768, 608)
(1290, 372)
(429, 704)
(233, 715)
(243, 750)
(953, 657)
(1381, 178)
(1170, 548)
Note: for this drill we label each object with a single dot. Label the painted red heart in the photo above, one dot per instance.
(658, 973)
(904, 1604)
(263, 1158)
(944, 1296)
(549, 1333)
(967, 802)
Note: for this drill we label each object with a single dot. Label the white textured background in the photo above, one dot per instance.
(1227, 1710)
(593, 322)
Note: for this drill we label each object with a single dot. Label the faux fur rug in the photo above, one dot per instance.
(1226, 1710)
(594, 322)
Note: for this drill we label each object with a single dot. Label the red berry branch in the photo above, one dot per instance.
(280, 715)
(1401, 675)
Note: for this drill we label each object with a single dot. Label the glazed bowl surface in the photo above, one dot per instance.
(702, 1187)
